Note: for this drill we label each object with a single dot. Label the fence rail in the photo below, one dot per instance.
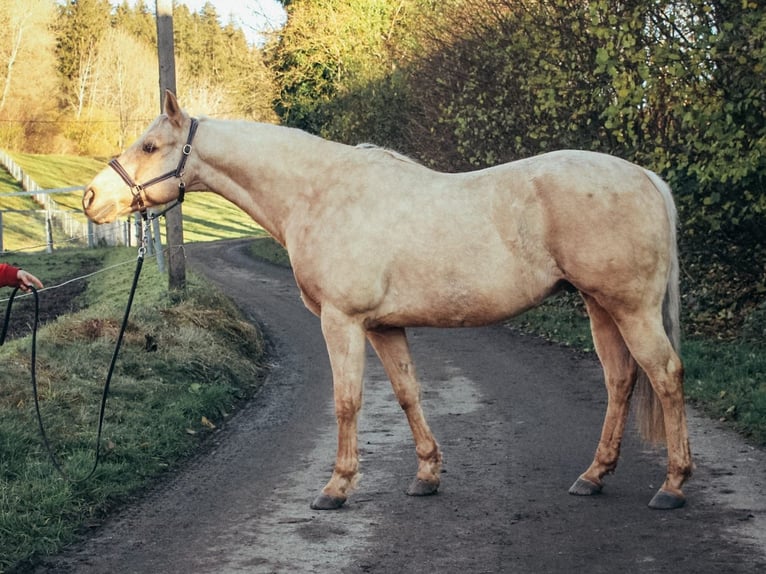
(72, 223)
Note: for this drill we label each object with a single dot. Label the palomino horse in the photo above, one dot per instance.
(378, 243)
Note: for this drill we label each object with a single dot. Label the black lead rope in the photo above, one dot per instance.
(52, 455)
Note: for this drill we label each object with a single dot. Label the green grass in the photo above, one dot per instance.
(19, 228)
(207, 216)
(55, 171)
(162, 404)
(267, 248)
(7, 183)
(727, 380)
(51, 171)
(24, 231)
(561, 319)
(57, 266)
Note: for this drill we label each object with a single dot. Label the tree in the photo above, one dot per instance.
(249, 81)
(27, 72)
(138, 21)
(124, 83)
(331, 50)
(80, 27)
(217, 72)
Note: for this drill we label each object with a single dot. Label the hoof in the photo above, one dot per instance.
(422, 488)
(665, 500)
(326, 502)
(584, 487)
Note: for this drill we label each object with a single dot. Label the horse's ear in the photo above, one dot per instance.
(172, 109)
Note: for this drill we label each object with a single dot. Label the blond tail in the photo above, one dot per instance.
(648, 407)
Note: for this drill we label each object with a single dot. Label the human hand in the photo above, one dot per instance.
(26, 279)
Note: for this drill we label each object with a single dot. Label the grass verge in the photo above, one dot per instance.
(267, 248)
(185, 363)
(727, 380)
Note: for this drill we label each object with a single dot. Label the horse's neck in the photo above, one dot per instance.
(268, 171)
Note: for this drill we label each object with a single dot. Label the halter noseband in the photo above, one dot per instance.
(137, 188)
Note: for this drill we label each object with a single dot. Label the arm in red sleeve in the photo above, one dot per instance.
(8, 275)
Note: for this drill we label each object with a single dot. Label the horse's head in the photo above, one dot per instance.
(148, 172)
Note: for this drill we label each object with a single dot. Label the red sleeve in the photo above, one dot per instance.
(8, 275)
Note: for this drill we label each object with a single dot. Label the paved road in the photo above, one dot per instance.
(517, 419)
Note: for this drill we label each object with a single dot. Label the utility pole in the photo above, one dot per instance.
(174, 229)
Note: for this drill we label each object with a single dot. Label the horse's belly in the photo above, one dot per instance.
(438, 303)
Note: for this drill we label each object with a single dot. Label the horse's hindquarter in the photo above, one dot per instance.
(606, 224)
(417, 247)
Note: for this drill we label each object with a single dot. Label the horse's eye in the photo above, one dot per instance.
(149, 147)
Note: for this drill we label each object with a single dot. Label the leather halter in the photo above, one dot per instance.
(137, 188)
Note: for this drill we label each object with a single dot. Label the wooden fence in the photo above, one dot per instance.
(72, 223)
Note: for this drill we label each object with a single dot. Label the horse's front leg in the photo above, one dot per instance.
(393, 350)
(346, 346)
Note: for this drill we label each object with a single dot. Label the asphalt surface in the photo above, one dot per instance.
(517, 419)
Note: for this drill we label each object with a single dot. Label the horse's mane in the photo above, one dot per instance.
(389, 152)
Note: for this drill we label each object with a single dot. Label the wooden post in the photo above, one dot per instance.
(174, 230)
(48, 233)
(158, 245)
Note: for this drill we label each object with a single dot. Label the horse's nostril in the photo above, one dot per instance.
(87, 198)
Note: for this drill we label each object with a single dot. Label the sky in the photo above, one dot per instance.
(253, 16)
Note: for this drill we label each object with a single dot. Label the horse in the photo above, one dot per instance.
(378, 243)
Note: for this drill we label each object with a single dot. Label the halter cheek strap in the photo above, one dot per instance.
(137, 189)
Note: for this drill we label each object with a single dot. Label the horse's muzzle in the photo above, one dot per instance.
(106, 213)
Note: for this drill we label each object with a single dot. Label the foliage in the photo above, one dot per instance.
(562, 319)
(79, 28)
(217, 71)
(677, 86)
(128, 71)
(27, 78)
(183, 367)
(136, 20)
(334, 66)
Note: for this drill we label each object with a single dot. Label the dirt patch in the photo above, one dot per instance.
(53, 302)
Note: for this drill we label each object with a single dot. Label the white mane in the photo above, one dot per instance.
(389, 152)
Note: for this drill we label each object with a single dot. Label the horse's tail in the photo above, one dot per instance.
(648, 407)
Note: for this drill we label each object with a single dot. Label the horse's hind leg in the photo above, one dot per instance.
(346, 347)
(654, 353)
(393, 350)
(620, 377)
